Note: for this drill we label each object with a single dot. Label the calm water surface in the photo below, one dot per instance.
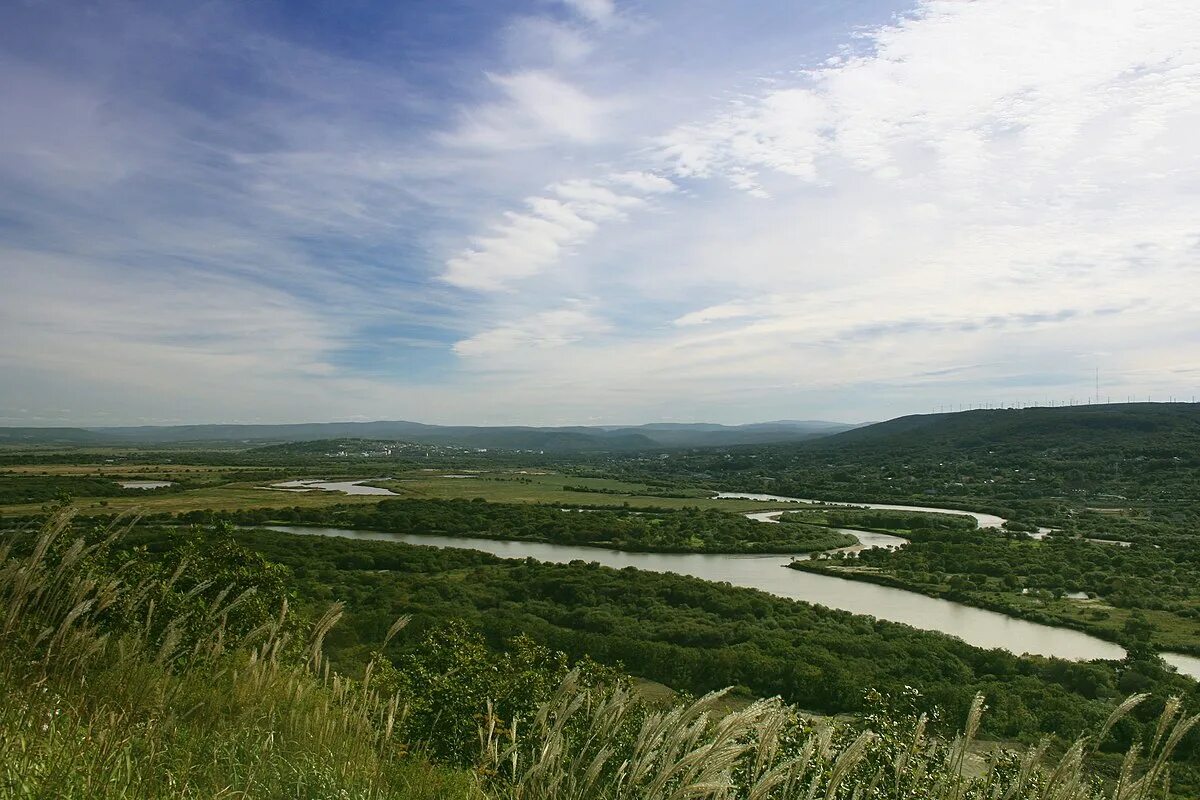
(767, 573)
(866, 539)
(983, 520)
(345, 487)
(1187, 665)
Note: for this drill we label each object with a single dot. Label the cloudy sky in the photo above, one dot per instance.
(578, 211)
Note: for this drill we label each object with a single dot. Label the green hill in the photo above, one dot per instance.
(1030, 463)
(1137, 427)
(51, 436)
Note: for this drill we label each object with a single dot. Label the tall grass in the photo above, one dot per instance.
(596, 744)
(87, 712)
(180, 707)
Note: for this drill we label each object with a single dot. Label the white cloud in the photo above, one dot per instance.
(538, 39)
(548, 329)
(1008, 184)
(784, 130)
(994, 183)
(964, 84)
(525, 244)
(538, 107)
(724, 311)
(646, 182)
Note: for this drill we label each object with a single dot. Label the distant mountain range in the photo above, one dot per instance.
(1134, 424)
(556, 439)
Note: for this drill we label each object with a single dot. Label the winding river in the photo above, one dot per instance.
(981, 519)
(975, 626)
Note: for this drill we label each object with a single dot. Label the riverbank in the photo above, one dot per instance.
(1058, 612)
(978, 627)
(825, 540)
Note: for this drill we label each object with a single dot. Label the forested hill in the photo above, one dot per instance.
(51, 436)
(1151, 429)
(1022, 461)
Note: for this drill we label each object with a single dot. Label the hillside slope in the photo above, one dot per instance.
(1147, 428)
(1028, 460)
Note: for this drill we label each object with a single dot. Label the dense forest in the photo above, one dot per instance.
(689, 530)
(42, 489)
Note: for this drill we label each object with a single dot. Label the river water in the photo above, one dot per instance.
(345, 487)
(768, 573)
(866, 539)
(983, 520)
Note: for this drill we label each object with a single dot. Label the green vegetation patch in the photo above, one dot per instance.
(1143, 595)
(683, 531)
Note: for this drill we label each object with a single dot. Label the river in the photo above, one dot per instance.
(1187, 665)
(976, 626)
(866, 539)
(981, 519)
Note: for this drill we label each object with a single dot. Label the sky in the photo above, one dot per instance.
(594, 211)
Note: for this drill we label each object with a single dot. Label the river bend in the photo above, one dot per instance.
(976, 626)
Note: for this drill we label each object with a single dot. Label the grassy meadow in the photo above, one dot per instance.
(224, 490)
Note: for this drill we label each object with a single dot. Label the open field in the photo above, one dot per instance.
(500, 486)
(157, 471)
(216, 498)
(506, 486)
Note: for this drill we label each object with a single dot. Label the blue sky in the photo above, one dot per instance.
(594, 211)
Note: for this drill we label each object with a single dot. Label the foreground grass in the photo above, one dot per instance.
(86, 713)
(244, 734)
(595, 745)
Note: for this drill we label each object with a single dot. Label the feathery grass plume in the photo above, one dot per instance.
(93, 707)
(321, 629)
(598, 743)
(1119, 713)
